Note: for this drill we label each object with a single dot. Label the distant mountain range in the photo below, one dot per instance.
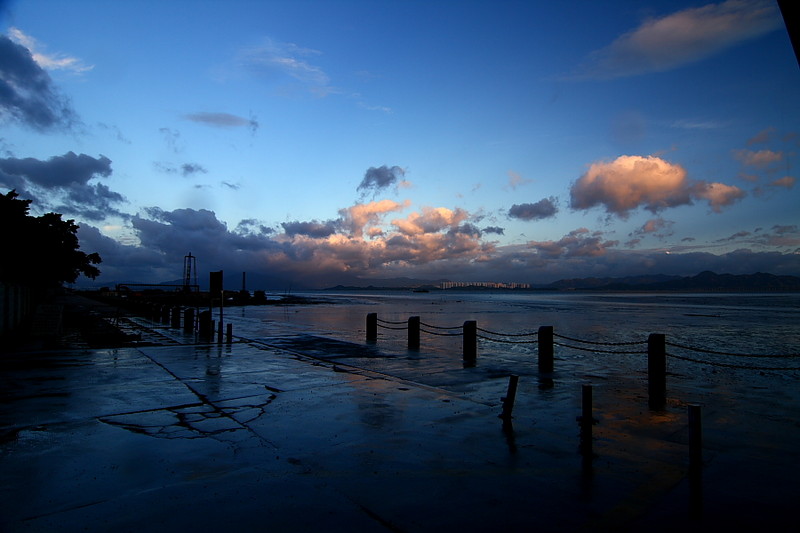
(705, 281)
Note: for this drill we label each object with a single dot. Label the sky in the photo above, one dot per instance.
(326, 142)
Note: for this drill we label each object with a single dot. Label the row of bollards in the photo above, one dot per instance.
(202, 323)
(656, 352)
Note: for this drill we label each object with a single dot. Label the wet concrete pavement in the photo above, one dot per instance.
(308, 434)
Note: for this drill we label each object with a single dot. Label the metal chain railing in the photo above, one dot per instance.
(632, 343)
(714, 352)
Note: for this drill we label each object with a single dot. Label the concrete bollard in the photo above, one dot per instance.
(372, 327)
(206, 325)
(545, 342)
(657, 370)
(188, 320)
(508, 399)
(413, 333)
(470, 341)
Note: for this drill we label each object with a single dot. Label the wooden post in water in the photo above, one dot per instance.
(413, 333)
(586, 420)
(219, 331)
(695, 440)
(657, 370)
(470, 341)
(508, 399)
(372, 327)
(176, 317)
(229, 333)
(545, 342)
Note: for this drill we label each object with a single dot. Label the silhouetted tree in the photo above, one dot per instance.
(42, 251)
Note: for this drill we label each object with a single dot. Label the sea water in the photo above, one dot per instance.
(747, 323)
(744, 386)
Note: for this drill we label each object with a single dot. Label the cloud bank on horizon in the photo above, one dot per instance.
(356, 171)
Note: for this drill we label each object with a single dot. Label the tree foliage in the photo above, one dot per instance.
(40, 250)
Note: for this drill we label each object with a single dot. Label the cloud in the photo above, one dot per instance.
(186, 169)
(61, 183)
(759, 159)
(657, 227)
(223, 120)
(432, 219)
(312, 229)
(377, 179)
(682, 38)
(577, 243)
(544, 208)
(57, 61)
(687, 124)
(786, 181)
(630, 182)
(495, 230)
(58, 171)
(27, 94)
(363, 217)
(515, 180)
(172, 138)
(308, 254)
(718, 195)
(275, 59)
(762, 136)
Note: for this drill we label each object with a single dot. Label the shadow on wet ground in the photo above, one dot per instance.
(303, 433)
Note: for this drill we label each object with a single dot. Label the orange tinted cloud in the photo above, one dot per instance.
(633, 181)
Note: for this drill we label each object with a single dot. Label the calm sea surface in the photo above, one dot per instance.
(749, 323)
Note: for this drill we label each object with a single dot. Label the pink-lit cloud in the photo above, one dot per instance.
(786, 182)
(681, 38)
(431, 220)
(718, 195)
(577, 243)
(758, 158)
(630, 182)
(363, 217)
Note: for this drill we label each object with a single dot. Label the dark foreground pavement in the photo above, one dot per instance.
(260, 437)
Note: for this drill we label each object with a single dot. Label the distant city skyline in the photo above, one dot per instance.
(327, 142)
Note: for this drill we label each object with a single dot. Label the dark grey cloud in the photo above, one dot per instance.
(62, 183)
(58, 171)
(223, 120)
(92, 202)
(784, 229)
(27, 94)
(377, 179)
(467, 229)
(185, 170)
(251, 226)
(544, 208)
(494, 229)
(312, 229)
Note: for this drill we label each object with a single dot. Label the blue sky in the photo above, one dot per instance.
(330, 141)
